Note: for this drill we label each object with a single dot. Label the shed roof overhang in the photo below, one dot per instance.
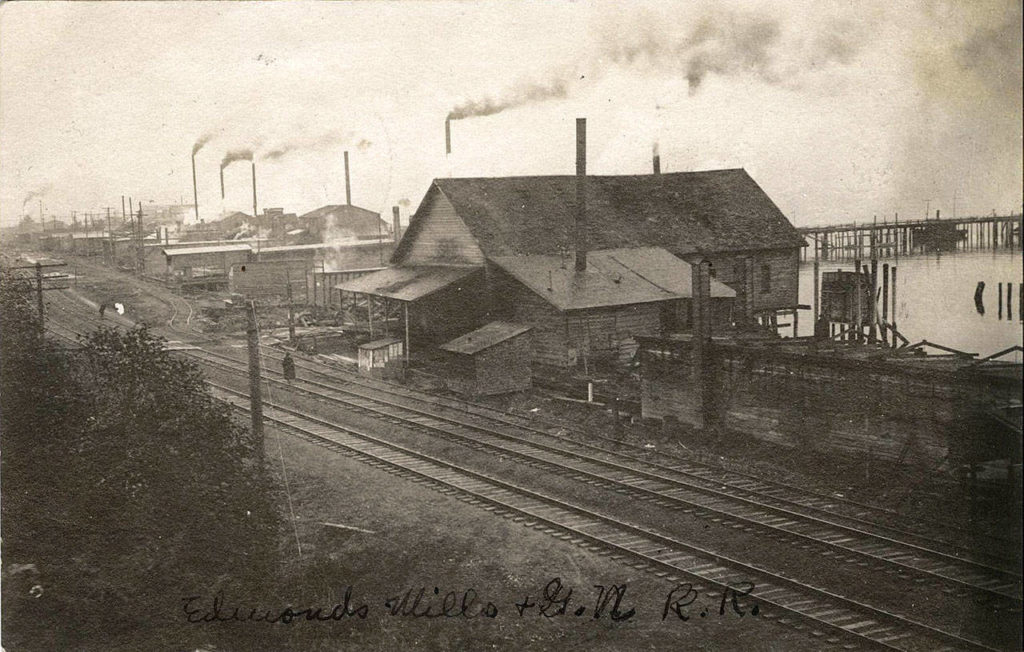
(406, 283)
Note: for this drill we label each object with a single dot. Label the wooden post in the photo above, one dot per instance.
(110, 239)
(816, 299)
(748, 289)
(369, 312)
(885, 301)
(140, 252)
(1000, 300)
(255, 380)
(1009, 301)
(291, 311)
(873, 303)
(858, 315)
(39, 295)
(407, 334)
(894, 304)
(704, 379)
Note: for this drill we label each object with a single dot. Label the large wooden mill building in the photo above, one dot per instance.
(588, 262)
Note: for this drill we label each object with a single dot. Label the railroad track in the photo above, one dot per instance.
(177, 313)
(852, 512)
(693, 493)
(675, 491)
(871, 516)
(829, 616)
(626, 479)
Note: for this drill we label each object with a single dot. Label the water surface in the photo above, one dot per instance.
(935, 299)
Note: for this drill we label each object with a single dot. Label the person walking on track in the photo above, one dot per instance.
(288, 367)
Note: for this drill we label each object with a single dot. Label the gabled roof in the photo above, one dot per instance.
(614, 277)
(485, 337)
(338, 209)
(686, 212)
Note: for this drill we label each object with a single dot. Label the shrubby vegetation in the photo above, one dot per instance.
(124, 483)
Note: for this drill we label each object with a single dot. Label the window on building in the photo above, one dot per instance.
(766, 278)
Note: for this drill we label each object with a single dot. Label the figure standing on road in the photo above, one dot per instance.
(103, 309)
(288, 366)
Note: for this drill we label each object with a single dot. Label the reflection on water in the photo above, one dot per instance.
(969, 301)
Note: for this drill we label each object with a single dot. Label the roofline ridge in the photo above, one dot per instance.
(589, 176)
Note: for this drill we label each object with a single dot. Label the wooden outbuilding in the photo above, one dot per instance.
(191, 262)
(382, 358)
(493, 359)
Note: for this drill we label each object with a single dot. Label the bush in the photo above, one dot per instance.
(124, 482)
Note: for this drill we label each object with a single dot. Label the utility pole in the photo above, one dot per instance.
(255, 380)
(39, 294)
(110, 239)
(123, 215)
(291, 313)
(140, 252)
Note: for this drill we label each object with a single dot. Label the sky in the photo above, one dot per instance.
(841, 111)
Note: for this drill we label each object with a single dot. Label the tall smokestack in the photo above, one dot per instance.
(195, 189)
(657, 159)
(254, 188)
(448, 135)
(348, 184)
(396, 225)
(222, 182)
(581, 194)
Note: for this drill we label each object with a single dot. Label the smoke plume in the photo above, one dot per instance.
(522, 93)
(200, 142)
(235, 155)
(35, 194)
(719, 42)
(319, 142)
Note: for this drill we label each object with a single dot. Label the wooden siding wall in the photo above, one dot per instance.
(827, 404)
(608, 333)
(451, 311)
(266, 279)
(784, 265)
(502, 368)
(442, 237)
(505, 367)
(564, 339)
(220, 261)
(519, 305)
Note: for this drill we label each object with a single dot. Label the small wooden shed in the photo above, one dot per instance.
(382, 358)
(493, 359)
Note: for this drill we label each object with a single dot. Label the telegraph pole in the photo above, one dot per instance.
(140, 252)
(255, 398)
(291, 313)
(110, 239)
(39, 294)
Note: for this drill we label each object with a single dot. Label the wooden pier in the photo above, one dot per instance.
(905, 237)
